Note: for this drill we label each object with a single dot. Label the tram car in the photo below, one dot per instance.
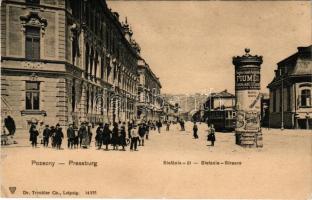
(223, 120)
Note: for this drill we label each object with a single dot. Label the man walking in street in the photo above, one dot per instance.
(70, 136)
(159, 125)
(46, 135)
(195, 129)
(134, 138)
(141, 134)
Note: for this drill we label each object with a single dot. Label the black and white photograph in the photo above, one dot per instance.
(156, 99)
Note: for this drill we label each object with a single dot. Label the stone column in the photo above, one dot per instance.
(248, 96)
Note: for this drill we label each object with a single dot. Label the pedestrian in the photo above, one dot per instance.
(115, 136)
(195, 129)
(141, 134)
(159, 125)
(33, 132)
(129, 128)
(98, 136)
(40, 130)
(90, 133)
(81, 133)
(182, 125)
(46, 135)
(106, 136)
(168, 125)
(58, 136)
(52, 135)
(134, 138)
(76, 139)
(147, 128)
(70, 136)
(10, 125)
(84, 136)
(122, 137)
(211, 135)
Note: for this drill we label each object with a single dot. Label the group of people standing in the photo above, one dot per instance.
(55, 133)
(115, 135)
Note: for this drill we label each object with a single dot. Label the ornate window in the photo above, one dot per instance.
(32, 47)
(305, 98)
(33, 26)
(32, 95)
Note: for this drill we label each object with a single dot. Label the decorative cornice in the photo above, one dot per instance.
(247, 59)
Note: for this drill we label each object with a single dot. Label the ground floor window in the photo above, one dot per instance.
(32, 95)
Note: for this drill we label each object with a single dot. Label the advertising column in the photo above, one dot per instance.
(248, 96)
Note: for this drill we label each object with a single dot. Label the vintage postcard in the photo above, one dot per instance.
(156, 99)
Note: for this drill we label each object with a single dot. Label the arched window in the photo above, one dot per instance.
(305, 98)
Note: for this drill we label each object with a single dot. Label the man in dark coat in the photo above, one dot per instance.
(52, 135)
(33, 132)
(58, 136)
(10, 125)
(146, 127)
(141, 134)
(46, 135)
(159, 125)
(129, 128)
(70, 136)
(195, 129)
(98, 136)
(106, 136)
(115, 137)
(90, 133)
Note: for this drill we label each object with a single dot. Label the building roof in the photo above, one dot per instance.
(298, 64)
(222, 94)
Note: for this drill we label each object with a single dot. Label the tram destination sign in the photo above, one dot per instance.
(247, 79)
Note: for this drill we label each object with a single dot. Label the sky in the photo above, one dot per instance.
(189, 45)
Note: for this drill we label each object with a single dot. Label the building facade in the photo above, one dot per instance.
(290, 92)
(66, 61)
(150, 102)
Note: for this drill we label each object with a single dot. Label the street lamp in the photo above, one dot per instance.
(282, 97)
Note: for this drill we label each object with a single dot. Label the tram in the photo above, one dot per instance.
(223, 120)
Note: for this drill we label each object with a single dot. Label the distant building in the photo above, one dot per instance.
(150, 102)
(290, 91)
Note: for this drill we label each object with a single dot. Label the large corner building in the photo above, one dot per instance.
(67, 61)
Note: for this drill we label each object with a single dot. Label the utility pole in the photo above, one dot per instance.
(282, 97)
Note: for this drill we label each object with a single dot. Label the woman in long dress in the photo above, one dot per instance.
(115, 137)
(85, 137)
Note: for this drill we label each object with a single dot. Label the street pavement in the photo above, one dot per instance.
(171, 165)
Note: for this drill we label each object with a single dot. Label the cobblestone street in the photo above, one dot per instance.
(222, 171)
